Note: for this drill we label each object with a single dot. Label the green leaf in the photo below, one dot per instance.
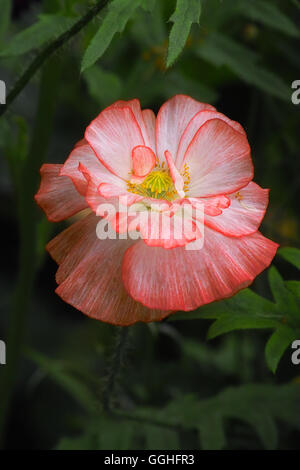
(115, 434)
(45, 29)
(148, 5)
(212, 434)
(278, 343)
(268, 14)
(292, 255)
(221, 50)
(236, 322)
(244, 302)
(4, 17)
(257, 405)
(159, 439)
(294, 287)
(59, 372)
(118, 14)
(104, 87)
(186, 13)
(286, 302)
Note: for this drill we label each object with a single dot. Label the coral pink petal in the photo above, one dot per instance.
(111, 191)
(60, 246)
(171, 121)
(112, 136)
(160, 229)
(108, 190)
(179, 279)
(149, 120)
(194, 125)
(143, 161)
(135, 107)
(57, 195)
(211, 205)
(218, 160)
(90, 276)
(245, 213)
(83, 154)
(176, 177)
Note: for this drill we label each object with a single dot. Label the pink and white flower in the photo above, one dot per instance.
(189, 155)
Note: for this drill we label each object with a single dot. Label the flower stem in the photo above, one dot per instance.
(114, 369)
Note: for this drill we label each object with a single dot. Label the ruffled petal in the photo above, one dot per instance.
(194, 125)
(83, 154)
(90, 276)
(176, 176)
(139, 115)
(143, 161)
(57, 195)
(161, 229)
(180, 279)
(218, 160)
(171, 121)
(112, 136)
(245, 213)
(149, 120)
(211, 205)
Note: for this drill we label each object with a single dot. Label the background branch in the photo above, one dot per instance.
(38, 62)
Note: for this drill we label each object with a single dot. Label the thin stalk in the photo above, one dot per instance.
(114, 368)
(47, 52)
(29, 175)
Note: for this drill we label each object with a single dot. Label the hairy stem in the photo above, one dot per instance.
(114, 368)
(37, 63)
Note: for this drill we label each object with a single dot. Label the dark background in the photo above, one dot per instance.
(167, 359)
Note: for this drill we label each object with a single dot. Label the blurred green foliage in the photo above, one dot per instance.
(177, 390)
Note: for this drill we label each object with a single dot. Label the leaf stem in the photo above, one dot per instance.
(40, 59)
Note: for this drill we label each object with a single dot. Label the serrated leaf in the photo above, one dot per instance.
(285, 300)
(258, 405)
(277, 344)
(268, 13)
(45, 29)
(292, 255)
(221, 50)
(186, 13)
(105, 87)
(243, 303)
(118, 14)
(236, 322)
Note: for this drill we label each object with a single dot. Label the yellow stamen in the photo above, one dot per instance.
(159, 184)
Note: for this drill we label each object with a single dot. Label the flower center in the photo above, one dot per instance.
(158, 185)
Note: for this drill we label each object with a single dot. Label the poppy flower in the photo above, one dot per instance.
(151, 170)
